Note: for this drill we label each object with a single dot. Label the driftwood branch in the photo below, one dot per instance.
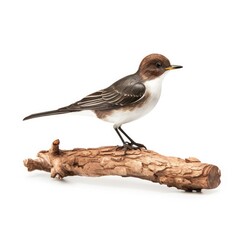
(188, 174)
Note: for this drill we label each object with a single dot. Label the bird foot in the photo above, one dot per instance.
(131, 146)
(137, 145)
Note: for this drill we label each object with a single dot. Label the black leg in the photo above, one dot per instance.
(132, 142)
(126, 145)
(120, 136)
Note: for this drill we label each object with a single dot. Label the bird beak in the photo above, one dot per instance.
(173, 67)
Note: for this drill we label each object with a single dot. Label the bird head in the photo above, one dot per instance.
(154, 65)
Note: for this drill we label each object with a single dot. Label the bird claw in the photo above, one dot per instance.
(131, 146)
(138, 145)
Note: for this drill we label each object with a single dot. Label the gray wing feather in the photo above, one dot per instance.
(124, 92)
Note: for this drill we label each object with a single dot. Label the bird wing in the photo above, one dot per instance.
(123, 92)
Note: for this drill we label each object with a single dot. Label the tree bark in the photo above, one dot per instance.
(188, 174)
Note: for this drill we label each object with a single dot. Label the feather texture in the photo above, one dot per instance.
(125, 91)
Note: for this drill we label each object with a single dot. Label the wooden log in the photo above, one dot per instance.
(188, 174)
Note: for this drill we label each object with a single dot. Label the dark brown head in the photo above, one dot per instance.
(154, 65)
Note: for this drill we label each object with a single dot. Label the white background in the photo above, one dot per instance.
(53, 53)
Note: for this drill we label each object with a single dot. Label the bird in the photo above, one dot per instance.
(126, 100)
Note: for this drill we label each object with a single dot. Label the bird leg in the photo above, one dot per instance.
(132, 142)
(128, 145)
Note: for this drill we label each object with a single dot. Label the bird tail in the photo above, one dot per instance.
(48, 113)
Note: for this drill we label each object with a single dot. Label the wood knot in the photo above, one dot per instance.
(54, 150)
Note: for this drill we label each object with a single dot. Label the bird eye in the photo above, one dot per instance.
(158, 64)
